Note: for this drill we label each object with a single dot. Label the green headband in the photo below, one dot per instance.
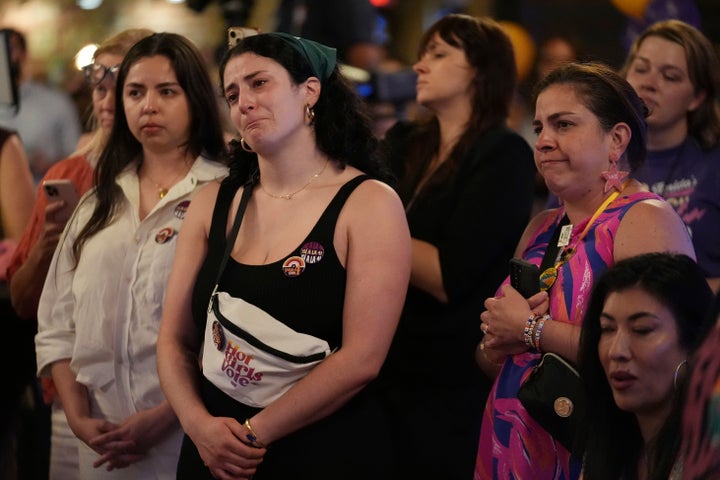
(322, 59)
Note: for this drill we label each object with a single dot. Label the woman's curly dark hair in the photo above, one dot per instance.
(342, 122)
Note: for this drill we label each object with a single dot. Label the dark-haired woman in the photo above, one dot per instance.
(591, 131)
(322, 253)
(466, 182)
(646, 317)
(100, 309)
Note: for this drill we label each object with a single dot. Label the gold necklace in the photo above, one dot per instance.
(162, 191)
(289, 196)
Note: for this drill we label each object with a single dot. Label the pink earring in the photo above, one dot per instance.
(614, 177)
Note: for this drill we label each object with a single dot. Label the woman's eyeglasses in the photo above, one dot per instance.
(95, 73)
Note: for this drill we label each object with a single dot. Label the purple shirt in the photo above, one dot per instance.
(689, 179)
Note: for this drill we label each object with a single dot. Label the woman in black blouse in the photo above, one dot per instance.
(467, 185)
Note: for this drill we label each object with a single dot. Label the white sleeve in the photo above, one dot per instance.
(55, 339)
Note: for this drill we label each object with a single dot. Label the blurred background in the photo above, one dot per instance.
(57, 30)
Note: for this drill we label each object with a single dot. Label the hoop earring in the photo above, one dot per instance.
(614, 177)
(310, 113)
(676, 376)
(245, 146)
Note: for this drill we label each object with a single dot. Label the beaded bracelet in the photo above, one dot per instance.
(252, 437)
(528, 331)
(538, 331)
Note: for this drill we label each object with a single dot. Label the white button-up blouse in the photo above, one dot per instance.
(104, 314)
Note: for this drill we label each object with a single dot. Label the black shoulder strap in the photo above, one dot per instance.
(342, 195)
(247, 191)
(551, 252)
(218, 225)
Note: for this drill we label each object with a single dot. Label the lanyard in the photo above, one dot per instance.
(550, 273)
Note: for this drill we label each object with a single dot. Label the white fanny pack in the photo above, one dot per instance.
(254, 358)
(247, 353)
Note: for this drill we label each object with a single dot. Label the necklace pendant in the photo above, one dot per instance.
(162, 192)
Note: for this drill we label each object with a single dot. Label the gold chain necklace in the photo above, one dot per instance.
(289, 196)
(162, 191)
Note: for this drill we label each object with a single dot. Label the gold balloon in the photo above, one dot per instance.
(631, 8)
(523, 45)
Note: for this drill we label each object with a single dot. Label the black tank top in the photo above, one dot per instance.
(305, 289)
(308, 296)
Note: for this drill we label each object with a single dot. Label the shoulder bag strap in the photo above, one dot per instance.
(247, 191)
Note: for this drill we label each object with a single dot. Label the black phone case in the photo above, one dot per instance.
(524, 277)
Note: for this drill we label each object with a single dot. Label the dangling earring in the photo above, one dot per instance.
(614, 177)
(676, 376)
(310, 113)
(245, 146)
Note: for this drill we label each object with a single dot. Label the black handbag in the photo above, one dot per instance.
(554, 396)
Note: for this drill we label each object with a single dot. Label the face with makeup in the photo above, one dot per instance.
(156, 107)
(639, 351)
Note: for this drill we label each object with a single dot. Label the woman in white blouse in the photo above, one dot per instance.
(100, 309)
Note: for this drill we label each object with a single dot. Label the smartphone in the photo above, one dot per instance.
(524, 277)
(62, 189)
(236, 34)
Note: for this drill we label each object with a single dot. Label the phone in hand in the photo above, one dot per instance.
(62, 189)
(237, 34)
(524, 277)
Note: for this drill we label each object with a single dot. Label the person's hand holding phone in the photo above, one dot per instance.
(62, 200)
(61, 190)
(505, 317)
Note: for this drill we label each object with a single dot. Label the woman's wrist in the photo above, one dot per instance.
(537, 332)
(251, 436)
(530, 324)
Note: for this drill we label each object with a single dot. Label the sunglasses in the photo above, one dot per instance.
(95, 73)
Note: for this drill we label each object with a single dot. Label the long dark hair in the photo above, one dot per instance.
(612, 441)
(342, 122)
(123, 148)
(490, 54)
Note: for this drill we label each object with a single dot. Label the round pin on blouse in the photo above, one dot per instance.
(164, 235)
(293, 266)
(218, 335)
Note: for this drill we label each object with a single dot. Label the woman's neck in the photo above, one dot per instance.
(286, 169)
(662, 139)
(583, 207)
(165, 164)
(451, 131)
(650, 425)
